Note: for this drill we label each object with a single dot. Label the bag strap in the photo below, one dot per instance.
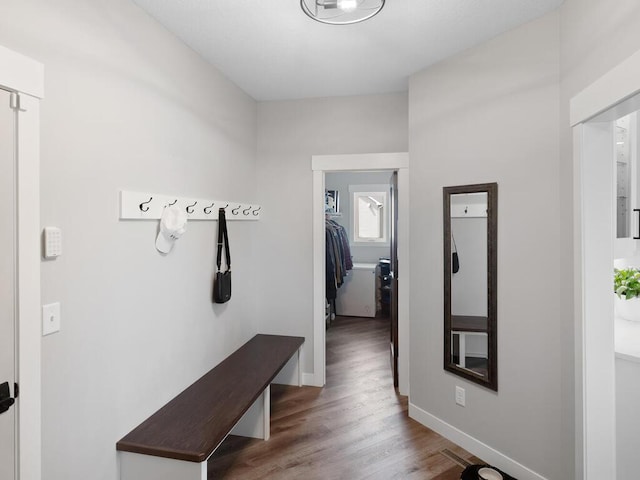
(223, 239)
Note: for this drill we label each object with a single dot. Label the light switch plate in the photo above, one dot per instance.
(460, 396)
(50, 318)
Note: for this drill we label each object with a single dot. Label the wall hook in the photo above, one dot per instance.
(143, 205)
(190, 207)
(466, 210)
(147, 205)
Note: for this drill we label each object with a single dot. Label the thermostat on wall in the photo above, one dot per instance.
(52, 242)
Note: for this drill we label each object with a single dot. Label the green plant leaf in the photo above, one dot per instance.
(626, 282)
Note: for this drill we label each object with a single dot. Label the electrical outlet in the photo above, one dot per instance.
(50, 318)
(460, 396)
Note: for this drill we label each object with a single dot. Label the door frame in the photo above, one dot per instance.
(320, 164)
(613, 95)
(25, 76)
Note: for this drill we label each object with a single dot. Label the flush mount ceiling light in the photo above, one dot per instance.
(341, 12)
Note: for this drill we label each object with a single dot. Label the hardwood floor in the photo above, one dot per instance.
(356, 427)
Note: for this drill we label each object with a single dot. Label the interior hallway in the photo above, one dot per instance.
(356, 427)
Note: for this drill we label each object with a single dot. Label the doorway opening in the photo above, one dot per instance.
(599, 238)
(360, 229)
(384, 164)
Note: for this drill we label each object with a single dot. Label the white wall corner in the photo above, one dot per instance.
(473, 445)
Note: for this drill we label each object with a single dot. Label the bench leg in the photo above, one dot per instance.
(291, 373)
(135, 466)
(256, 421)
(463, 350)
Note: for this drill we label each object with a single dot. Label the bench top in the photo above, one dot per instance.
(192, 425)
(466, 323)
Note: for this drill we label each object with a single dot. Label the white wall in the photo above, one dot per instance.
(129, 107)
(491, 114)
(289, 133)
(340, 181)
(469, 284)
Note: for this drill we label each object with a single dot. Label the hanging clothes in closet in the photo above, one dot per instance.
(338, 257)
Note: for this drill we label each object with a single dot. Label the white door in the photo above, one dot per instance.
(7, 288)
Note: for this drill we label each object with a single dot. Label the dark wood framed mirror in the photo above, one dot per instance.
(470, 282)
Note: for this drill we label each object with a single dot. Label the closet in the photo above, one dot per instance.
(338, 259)
(357, 216)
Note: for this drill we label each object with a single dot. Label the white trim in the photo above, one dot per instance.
(310, 380)
(359, 162)
(598, 372)
(578, 293)
(611, 89)
(29, 333)
(319, 286)
(473, 445)
(20, 74)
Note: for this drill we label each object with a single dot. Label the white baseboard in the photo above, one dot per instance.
(309, 380)
(473, 445)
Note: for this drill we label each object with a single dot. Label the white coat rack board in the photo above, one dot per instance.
(149, 206)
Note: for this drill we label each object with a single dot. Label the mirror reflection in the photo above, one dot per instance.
(469, 281)
(470, 333)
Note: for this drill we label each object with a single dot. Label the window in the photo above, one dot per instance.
(370, 215)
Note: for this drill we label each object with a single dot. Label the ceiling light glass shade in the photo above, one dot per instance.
(341, 12)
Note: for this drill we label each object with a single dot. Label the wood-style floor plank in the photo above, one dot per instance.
(356, 427)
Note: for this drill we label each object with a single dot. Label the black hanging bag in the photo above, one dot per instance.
(455, 260)
(222, 281)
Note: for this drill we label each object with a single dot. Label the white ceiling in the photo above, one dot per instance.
(273, 51)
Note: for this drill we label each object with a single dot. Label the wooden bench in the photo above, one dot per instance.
(234, 397)
(463, 326)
